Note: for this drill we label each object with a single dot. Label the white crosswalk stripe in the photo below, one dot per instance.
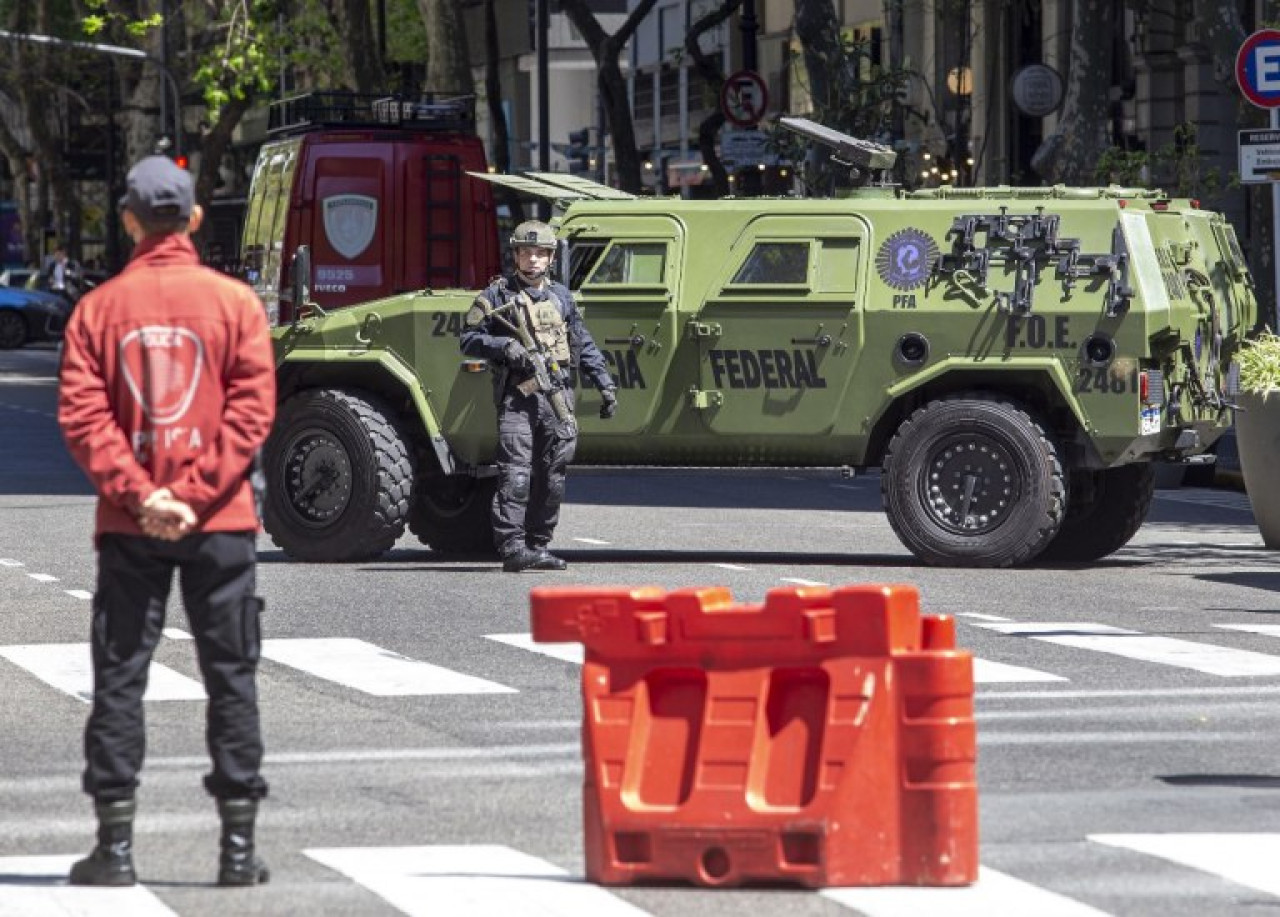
(372, 669)
(471, 881)
(1246, 859)
(36, 886)
(993, 893)
(1132, 644)
(67, 667)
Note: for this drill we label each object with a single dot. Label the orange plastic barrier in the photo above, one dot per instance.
(825, 738)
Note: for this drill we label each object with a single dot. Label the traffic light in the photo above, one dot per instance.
(181, 160)
(579, 152)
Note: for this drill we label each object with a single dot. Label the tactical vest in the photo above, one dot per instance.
(548, 325)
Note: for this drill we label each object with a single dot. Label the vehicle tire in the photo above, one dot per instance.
(339, 477)
(1106, 508)
(13, 330)
(973, 480)
(452, 514)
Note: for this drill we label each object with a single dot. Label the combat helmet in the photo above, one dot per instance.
(533, 234)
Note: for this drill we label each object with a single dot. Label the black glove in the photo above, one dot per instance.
(517, 357)
(608, 403)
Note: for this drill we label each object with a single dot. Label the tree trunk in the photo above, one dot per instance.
(605, 49)
(1069, 155)
(448, 61)
(360, 46)
(712, 74)
(497, 114)
(819, 32)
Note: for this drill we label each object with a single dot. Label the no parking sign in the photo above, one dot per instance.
(1258, 68)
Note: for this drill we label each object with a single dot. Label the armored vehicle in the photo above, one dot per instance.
(1013, 360)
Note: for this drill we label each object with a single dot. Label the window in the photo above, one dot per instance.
(632, 262)
(774, 263)
(583, 257)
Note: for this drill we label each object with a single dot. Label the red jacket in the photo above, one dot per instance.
(168, 380)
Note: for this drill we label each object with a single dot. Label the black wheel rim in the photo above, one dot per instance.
(12, 330)
(317, 477)
(971, 484)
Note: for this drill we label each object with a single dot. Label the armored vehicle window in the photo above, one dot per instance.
(583, 257)
(633, 263)
(775, 262)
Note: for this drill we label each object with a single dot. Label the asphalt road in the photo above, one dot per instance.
(424, 758)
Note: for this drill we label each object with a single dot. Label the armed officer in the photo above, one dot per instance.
(530, 331)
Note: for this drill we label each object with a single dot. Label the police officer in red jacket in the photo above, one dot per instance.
(168, 391)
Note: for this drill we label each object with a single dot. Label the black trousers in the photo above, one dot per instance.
(217, 575)
(531, 458)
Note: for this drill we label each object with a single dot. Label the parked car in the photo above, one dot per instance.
(27, 316)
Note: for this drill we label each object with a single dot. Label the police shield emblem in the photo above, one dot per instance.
(349, 222)
(162, 368)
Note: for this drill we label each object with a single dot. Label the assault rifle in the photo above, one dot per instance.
(547, 376)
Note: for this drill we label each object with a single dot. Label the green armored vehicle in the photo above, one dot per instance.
(1013, 360)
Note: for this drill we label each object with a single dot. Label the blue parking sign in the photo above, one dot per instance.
(1258, 68)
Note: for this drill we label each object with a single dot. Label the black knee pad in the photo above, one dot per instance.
(515, 484)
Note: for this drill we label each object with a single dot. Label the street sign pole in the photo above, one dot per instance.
(1275, 238)
(1258, 75)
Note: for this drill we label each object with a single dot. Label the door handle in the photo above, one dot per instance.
(822, 340)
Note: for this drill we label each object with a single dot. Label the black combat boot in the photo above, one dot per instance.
(519, 560)
(237, 864)
(111, 862)
(546, 560)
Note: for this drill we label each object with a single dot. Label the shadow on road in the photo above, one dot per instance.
(1246, 781)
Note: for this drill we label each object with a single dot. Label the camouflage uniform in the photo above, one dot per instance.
(534, 446)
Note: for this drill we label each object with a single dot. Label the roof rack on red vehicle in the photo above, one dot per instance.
(427, 112)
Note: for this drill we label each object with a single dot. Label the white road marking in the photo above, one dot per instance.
(986, 672)
(36, 886)
(1246, 859)
(176, 633)
(732, 567)
(470, 881)
(993, 893)
(43, 577)
(79, 594)
(1132, 644)
(566, 652)
(1266, 630)
(978, 616)
(802, 582)
(10, 562)
(591, 541)
(67, 667)
(372, 669)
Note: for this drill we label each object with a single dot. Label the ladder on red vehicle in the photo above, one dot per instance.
(442, 242)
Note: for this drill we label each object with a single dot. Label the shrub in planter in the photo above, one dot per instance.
(1258, 431)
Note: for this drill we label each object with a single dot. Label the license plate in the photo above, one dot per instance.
(1150, 421)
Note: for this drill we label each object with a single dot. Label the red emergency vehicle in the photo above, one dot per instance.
(377, 186)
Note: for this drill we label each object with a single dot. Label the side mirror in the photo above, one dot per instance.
(300, 282)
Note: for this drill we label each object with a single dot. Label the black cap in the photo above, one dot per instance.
(159, 190)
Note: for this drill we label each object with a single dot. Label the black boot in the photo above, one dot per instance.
(545, 560)
(519, 560)
(237, 864)
(111, 862)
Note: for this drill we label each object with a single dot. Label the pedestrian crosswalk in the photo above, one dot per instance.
(493, 880)
(378, 671)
